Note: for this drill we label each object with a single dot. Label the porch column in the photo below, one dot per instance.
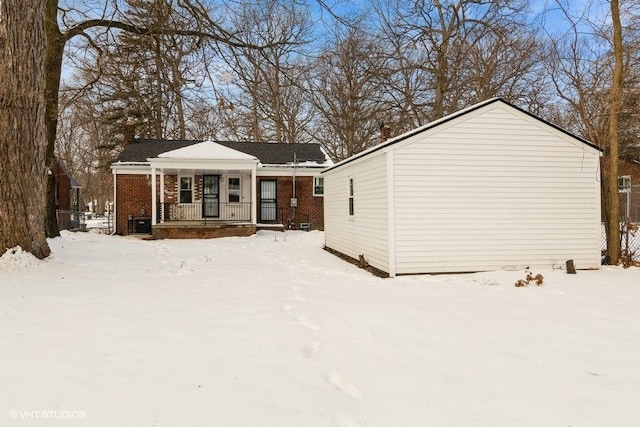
(161, 196)
(254, 197)
(153, 196)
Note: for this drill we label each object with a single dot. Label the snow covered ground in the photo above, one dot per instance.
(271, 330)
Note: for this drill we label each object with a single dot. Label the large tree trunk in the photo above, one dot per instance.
(612, 198)
(23, 143)
(53, 67)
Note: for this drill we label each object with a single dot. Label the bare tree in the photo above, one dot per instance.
(345, 91)
(144, 76)
(504, 62)
(610, 172)
(270, 95)
(84, 145)
(433, 42)
(22, 128)
(593, 69)
(66, 20)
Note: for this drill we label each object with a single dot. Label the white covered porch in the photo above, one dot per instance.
(205, 183)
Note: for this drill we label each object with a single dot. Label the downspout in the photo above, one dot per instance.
(115, 216)
(154, 198)
(294, 174)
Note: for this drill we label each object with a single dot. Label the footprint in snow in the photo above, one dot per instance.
(341, 385)
(311, 349)
(303, 321)
(288, 308)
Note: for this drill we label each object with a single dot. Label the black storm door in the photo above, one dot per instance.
(211, 196)
(268, 197)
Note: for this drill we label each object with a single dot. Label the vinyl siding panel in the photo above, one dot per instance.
(495, 189)
(366, 232)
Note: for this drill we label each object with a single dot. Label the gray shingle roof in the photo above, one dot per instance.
(139, 150)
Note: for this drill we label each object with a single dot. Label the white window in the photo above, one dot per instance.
(186, 189)
(233, 189)
(351, 192)
(318, 186)
(624, 184)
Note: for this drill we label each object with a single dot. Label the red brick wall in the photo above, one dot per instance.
(202, 232)
(631, 169)
(310, 207)
(133, 198)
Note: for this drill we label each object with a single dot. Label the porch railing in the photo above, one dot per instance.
(193, 212)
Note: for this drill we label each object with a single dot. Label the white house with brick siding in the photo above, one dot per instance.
(202, 189)
(491, 187)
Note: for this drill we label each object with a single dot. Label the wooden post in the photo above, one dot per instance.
(571, 269)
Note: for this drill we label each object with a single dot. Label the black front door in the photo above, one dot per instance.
(268, 197)
(211, 196)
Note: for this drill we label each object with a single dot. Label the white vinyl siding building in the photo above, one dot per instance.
(368, 225)
(488, 188)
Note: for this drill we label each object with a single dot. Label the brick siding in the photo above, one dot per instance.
(310, 207)
(202, 231)
(133, 198)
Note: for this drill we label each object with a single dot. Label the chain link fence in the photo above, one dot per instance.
(630, 220)
(629, 226)
(630, 204)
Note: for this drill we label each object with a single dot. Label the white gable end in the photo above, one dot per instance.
(207, 150)
(495, 189)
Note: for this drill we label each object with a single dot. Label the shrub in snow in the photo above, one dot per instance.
(530, 278)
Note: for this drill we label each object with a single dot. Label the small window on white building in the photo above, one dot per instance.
(186, 189)
(233, 189)
(624, 184)
(351, 211)
(318, 186)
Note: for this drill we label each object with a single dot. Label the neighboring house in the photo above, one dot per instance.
(629, 189)
(201, 189)
(490, 187)
(67, 197)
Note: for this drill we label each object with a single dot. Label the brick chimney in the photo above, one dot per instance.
(128, 132)
(385, 132)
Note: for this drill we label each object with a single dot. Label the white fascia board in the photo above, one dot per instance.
(131, 168)
(281, 170)
(200, 164)
(357, 159)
